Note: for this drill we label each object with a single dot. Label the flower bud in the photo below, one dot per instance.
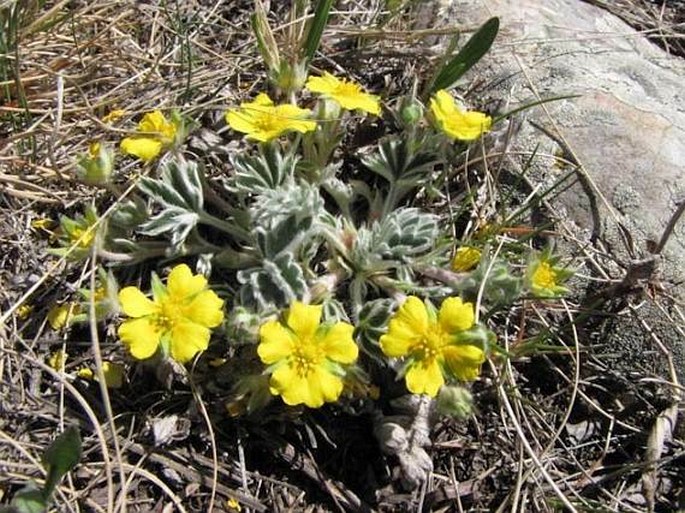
(455, 401)
(95, 168)
(411, 111)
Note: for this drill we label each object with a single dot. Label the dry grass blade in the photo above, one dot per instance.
(661, 434)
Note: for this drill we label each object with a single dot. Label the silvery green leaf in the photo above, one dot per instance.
(286, 236)
(404, 232)
(276, 282)
(340, 191)
(179, 185)
(173, 220)
(129, 215)
(302, 201)
(399, 159)
(372, 323)
(267, 170)
(501, 286)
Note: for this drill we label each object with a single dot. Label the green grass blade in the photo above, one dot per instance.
(311, 44)
(473, 51)
(533, 104)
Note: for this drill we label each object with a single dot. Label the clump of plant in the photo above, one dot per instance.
(332, 267)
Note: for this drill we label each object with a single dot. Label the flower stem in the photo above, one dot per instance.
(233, 230)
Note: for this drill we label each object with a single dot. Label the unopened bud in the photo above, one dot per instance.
(455, 401)
(411, 111)
(96, 167)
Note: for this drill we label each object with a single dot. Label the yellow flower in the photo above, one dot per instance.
(262, 121)
(348, 94)
(114, 374)
(24, 311)
(94, 149)
(43, 223)
(465, 259)
(60, 316)
(545, 279)
(178, 319)
(233, 504)
(456, 123)
(85, 373)
(58, 360)
(114, 115)
(156, 134)
(434, 343)
(305, 356)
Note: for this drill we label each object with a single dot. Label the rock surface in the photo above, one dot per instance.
(626, 129)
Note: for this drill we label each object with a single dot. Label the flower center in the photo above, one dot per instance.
(347, 89)
(544, 276)
(170, 312)
(267, 121)
(430, 346)
(306, 356)
(86, 241)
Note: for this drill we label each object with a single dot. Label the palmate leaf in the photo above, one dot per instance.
(400, 160)
(404, 232)
(273, 206)
(373, 322)
(267, 170)
(179, 186)
(176, 221)
(179, 192)
(275, 283)
(286, 236)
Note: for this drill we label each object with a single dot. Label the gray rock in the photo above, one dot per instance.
(627, 130)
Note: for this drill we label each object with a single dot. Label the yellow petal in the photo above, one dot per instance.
(62, 315)
(442, 105)
(85, 373)
(348, 94)
(140, 336)
(304, 319)
(261, 99)
(293, 117)
(468, 125)
(114, 115)
(114, 374)
(463, 361)
(407, 328)
(323, 386)
(337, 343)
(206, 309)
(413, 313)
(363, 101)
(135, 304)
(240, 121)
(144, 148)
(276, 342)
(455, 315)
(188, 339)
(182, 284)
(153, 122)
(465, 259)
(395, 346)
(293, 388)
(324, 84)
(424, 378)
(58, 360)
